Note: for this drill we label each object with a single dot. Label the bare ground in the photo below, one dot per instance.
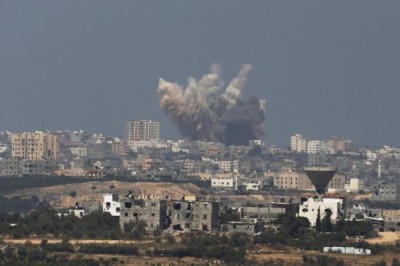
(59, 196)
(385, 238)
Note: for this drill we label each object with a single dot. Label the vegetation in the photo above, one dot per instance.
(229, 249)
(8, 184)
(296, 232)
(29, 255)
(318, 260)
(45, 222)
(21, 205)
(393, 205)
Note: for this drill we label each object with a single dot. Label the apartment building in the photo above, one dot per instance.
(388, 191)
(298, 143)
(137, 130)
(37, 145)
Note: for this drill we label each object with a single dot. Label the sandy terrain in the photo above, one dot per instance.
(38, 241)
(385, 238)
(58, 196)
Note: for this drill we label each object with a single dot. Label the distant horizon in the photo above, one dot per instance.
(325, 68)
(286, 145)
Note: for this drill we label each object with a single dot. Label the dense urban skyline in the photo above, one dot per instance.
(325, 68)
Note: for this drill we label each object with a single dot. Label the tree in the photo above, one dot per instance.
(318, 222)
(326, 224)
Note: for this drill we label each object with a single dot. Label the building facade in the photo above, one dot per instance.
(184, 215)
(298, 143)
(388, 191)
(34, 146)
(152, 212)
(138, 130)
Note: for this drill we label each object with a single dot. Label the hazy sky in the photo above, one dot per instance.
(325, 68)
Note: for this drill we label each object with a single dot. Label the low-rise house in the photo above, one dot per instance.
(391, 220)
(224, 184)
(111, 204)
(77, 211)
(248, 227)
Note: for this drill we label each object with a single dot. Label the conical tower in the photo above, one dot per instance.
(320, 177)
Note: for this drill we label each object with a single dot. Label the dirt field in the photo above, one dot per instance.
(385, 238)
(38, 241)
(58, 196)
(291, 256)
(260, 254)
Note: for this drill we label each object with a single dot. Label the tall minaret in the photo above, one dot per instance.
(379, 168)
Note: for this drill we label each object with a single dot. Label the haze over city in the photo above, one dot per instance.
(325, 68)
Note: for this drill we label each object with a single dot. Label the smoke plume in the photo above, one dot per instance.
(204, 110)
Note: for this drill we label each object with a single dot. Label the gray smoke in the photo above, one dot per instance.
(205, 111)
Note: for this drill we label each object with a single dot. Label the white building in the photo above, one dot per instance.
(135, 145)
(222, 184)
(253, 185)
(228, 166)
(309, 207)
(314, 146)
(137, 130)
(111, 204)
(354, 185)
(80, 152)
(298, 143)
(372, 155)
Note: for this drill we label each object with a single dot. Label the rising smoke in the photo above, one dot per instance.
(204, 111)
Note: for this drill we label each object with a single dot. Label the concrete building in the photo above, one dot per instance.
(354, 185)
(228, 166)
(314, 146)
(292, 180)
(37, 145)
(111, 204)
(253, 185)
(191, 215)
(152, 212)
(310, 205)
(21, 167)
(262, 213)
(388, 191)
(247, 227)
(224, 184)
(391, 220)
(118, 147)
(298, 143)
(137, 130)
(299, 181)
(337, 183)
(341, 145)
(205, 216)
(80, 152)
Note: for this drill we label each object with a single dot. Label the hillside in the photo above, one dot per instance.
(59, 196)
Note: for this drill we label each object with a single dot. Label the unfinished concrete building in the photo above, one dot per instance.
(193, 215)
(151, 211)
